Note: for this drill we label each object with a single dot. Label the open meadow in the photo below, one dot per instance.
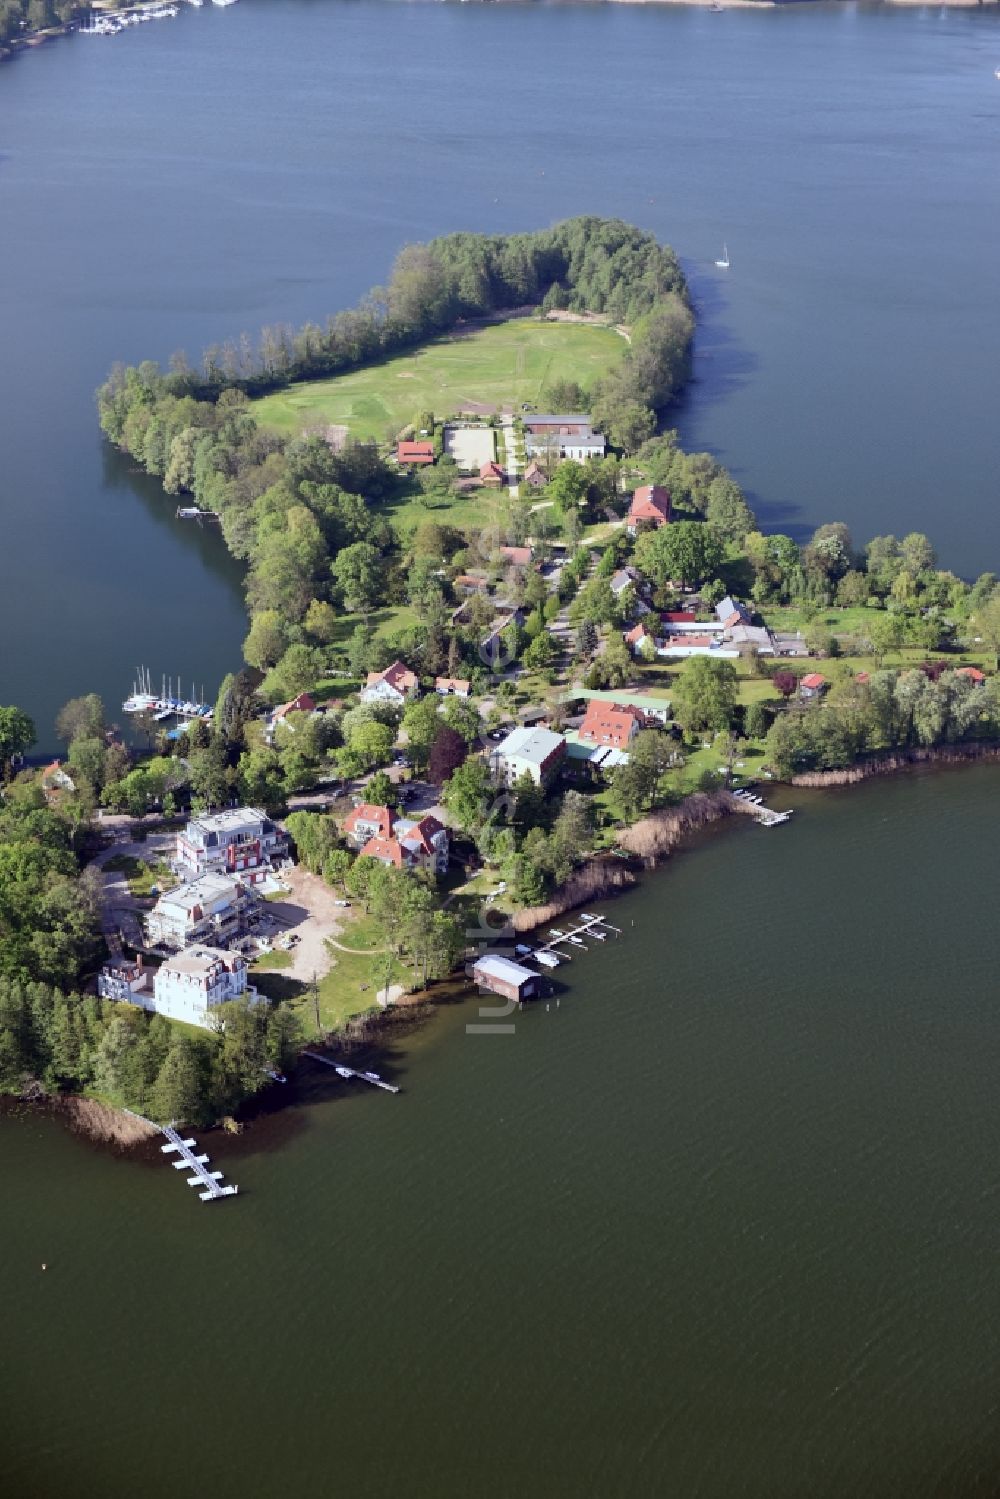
(503, 364)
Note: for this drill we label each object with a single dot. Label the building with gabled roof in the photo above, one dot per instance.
(421, 843)
(415, 452)
(510, 980)
(812, 684)
(394, 685)
(650, 505)
(516, 556)
(367, 821)
(730, 612)
(614, 724)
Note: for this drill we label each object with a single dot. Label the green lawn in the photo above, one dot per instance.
(142, 877)
(503, 364)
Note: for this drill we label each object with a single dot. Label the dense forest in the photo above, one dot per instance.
(582, 265)
(56, 1042)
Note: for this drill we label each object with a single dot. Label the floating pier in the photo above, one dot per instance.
(766, 816)
(191, 512)
(558, 943)
(169, 702)
(349, 1072)
(209, 1181)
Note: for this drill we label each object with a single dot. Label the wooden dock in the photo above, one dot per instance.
(349, 1072)
(562, 944)
(750, 802)
(209, 1181)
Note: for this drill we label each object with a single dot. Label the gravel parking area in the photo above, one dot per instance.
(310, 913)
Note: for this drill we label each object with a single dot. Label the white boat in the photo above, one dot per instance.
(547, 959)
(522, 950)
(723, 264)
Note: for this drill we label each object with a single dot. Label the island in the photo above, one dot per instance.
(509, 644)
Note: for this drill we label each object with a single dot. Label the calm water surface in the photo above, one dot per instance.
(722, 1223)
(183, 182)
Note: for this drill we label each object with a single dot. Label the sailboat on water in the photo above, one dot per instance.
(723, 264)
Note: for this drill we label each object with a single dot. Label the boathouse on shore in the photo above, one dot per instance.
(509, 980)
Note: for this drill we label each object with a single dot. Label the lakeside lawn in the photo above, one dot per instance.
(348, 989)
(507, 363)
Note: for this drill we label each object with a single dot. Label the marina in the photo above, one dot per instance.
(102, 23)
(209, 1181)
(168, 703)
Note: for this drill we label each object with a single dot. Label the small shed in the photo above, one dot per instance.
(509, 980)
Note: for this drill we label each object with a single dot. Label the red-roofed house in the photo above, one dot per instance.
(304, 703)
(452, 686)
(517, 556)
(973, 673)
(534, 475)
(611, 723)
(56, 781)
(385, 850)
(412, 844)
(394, 685)
(637, 635)
(812, 684)
(368, 821)
(415, 452)
(679, 617)
(491, 473)
(651, 504)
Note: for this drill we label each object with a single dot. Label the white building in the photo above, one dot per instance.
(192, 985)
(209, 909)
(527, 751)
(242, 841)
(126, 980)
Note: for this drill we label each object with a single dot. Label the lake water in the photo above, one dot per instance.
(724, 1222)
(186, 181)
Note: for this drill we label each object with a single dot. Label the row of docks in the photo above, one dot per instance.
(766, 816)
(210, 1182)
(561, 946)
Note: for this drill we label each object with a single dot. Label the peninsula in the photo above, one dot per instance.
(508, 641)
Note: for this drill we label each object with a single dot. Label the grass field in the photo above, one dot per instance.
(508, 363)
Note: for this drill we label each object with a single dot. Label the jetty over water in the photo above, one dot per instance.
(209, 1181)
(349, 1072)
(561, 943)
(754, 804)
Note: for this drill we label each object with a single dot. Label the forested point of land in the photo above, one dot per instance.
(308, 520)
